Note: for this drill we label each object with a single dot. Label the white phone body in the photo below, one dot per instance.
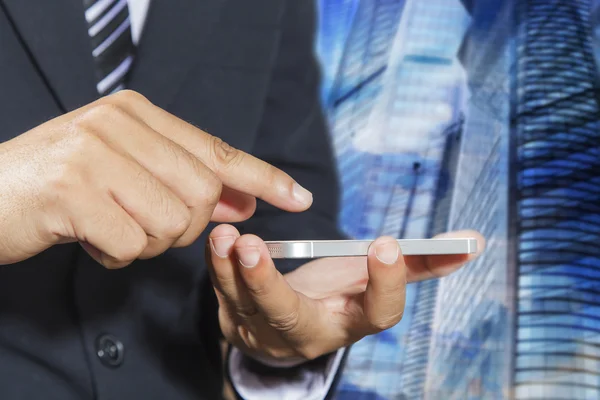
(357, 248)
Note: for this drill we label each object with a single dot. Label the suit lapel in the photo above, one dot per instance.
(55, 33)
(175, 34)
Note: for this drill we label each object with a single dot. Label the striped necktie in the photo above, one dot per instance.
(109, 29)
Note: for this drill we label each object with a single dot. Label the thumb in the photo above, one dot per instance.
(386, 290)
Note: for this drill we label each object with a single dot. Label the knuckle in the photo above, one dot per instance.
(226, 282)
(101, 112)
(225, 154)
(129, 96)
(172, 217)
(258, 290)
(82, 137)
(285, 323)
(133, 245)
(213, 187)
(177, 225)
(188, 239)
(96, 122)
(246, 311)
(204, 185)
(175, 154)
(387, 322)
(215, 194)
(154, 196)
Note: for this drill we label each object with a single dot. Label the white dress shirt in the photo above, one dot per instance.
(307, 385)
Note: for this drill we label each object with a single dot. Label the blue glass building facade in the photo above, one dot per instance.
(396, 90)
(355, 91)
(511, 148)
(420, 333)
(421, 96)
(470, 352)
(398, 87)
(335, 18)
(367, 178)
(522, 321)
(556, 139)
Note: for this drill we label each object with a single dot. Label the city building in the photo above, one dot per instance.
(556, 179)
(522, 167)
(355, 91)
(335, 18)
(468, 355)
(421, 96)
(410, 125)
(522, 321)
(397, 89)
(419, 337)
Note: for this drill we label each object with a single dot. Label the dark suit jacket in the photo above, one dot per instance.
(242, 70)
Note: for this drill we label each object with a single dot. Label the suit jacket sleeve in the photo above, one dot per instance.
(293, 137)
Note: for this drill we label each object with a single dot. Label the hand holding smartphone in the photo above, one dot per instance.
(356, 248)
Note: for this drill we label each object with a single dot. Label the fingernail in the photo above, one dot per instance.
(387, 252)
(249, 256)
(222, 245)
(302, 195)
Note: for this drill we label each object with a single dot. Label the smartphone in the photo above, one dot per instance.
(357, 248)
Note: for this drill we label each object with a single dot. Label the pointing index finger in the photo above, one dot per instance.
(248, 174)
(236, 169)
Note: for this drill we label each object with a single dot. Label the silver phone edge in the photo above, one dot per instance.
(306, 249)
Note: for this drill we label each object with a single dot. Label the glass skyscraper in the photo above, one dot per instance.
(556, 172)
(355, 91)
(395, 92)
(522, 321)
(399, 86)
(367, 178)
(506, 141)
(471, 334)
(421, 97)
(419, 338)
(335, 17)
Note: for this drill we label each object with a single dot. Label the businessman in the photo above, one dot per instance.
(117, 281)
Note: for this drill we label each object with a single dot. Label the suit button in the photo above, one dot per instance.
(110, 350)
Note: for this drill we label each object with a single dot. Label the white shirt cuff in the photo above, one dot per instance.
(307, 384)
